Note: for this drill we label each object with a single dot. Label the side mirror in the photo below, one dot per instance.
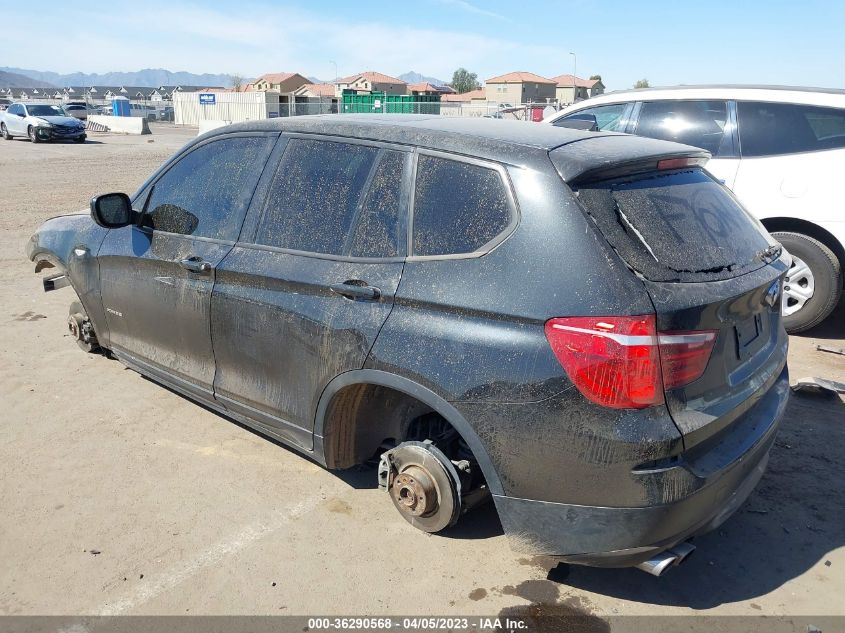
(112, 210)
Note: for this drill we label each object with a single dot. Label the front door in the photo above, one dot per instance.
(304, 299)
(157, 278)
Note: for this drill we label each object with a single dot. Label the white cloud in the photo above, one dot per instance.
(251, 39)
(471, 8)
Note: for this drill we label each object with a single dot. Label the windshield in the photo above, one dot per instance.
(44, 110)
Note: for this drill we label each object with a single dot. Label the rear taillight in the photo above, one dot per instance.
(623, 362)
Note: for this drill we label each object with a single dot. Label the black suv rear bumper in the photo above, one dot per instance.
(620, 537)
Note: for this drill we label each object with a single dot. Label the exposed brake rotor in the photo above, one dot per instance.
(423, 484)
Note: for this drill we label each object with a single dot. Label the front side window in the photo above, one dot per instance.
(206, 193)
(608, 117)
(458, 207)
(314, 198)
(697, 123)
(769, 129)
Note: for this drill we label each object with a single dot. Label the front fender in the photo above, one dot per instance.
(69, 243)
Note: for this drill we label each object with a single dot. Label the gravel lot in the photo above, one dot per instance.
(121, 497)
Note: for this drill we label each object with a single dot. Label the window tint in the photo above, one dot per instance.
(315, 195)
(458, 207)
(206, 193)
(608, 117)
(697, 123)
(377, 231)
(766, 129)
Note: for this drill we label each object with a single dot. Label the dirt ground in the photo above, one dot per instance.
(121, 497)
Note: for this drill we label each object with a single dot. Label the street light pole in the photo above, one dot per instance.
(574, 75)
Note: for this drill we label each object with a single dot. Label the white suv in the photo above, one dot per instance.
(780, 150)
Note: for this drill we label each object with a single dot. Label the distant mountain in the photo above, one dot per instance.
(319, 81)
(149, 77)
(412, 77)
(16, 80)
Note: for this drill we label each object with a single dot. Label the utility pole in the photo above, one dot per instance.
(574, 76)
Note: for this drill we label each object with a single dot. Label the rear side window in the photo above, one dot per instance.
(676, 226)
(206, 192)
(377, 232)
(458, 207)
(697, 123)
(769, 129)
(314, 198)
(608, 117)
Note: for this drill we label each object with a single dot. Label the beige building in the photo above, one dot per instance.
(371, 81)
(283, 82)
(520, 87)
(571, 89)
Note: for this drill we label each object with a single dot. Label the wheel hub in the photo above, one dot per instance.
(799, 287)
(74, 326)
(423, 485)
(414, 493)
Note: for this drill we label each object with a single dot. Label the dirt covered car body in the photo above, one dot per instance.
(497, 299)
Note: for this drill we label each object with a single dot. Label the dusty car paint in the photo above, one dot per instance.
(264, 339)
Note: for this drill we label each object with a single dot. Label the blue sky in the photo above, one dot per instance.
(754, 41)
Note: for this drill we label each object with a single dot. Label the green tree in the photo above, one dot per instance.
(641, 83)
(464, 81)
(595, 77)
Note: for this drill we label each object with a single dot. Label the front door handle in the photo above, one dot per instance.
(355, 289)
(195, 265)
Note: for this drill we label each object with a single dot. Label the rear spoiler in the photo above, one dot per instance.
(611, 156)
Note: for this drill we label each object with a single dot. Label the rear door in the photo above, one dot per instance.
(15, 119)
(303, 295)
(708, 124)
(792, 156)
(708, 267)
(156, 278)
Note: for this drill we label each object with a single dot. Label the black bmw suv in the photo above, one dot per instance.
(584, 327)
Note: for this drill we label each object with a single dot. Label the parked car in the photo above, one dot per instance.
(40, 122)
(76, 111)
(4, 103)
(780, 150)
(145, 111)
(584, 326)
(165, 113)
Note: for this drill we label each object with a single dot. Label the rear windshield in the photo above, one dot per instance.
(677, 226)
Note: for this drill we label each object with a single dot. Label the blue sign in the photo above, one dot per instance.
(208, 98)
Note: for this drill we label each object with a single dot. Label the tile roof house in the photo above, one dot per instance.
(466, 97)
(426, 88)
(371, 81)
(520, 87)
(324, 91)
(283, 82)
(571, 89)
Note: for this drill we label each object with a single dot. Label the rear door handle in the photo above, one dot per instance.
(356, 290)
(195, 265)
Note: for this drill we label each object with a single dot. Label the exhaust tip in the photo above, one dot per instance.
(658, 564)
(683, 551)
